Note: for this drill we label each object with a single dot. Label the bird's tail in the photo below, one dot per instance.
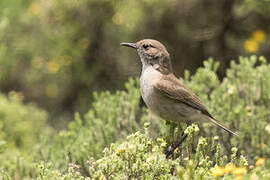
(222, 126)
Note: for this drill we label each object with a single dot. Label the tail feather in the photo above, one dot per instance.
(222, 126)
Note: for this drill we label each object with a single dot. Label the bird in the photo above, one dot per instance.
(163, 93)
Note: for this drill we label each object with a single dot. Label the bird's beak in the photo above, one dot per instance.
(132, 45)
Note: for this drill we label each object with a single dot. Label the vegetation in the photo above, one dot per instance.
(116, 139)
(67, 113)
(58, 52)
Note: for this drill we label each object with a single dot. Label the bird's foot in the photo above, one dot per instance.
(170, 150)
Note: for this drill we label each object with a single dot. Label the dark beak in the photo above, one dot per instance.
(132, 45)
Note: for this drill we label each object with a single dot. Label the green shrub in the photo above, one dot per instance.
(111, 119)
(141, 157)
(240, 100)
(114, 116)
(20, 128)
(20, 125)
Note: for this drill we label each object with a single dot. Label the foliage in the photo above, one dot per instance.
(20, 124)
(20, 128)
(109, 141)
(141, 157)
(58, 52)
(112, 118)
(241, 99)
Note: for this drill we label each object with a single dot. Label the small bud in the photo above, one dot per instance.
(262, 59)
(234, 150)
(216, 138)
(155, 149)
(196, 129)
(137, 134)
(130, 136)
(231, 90)
(160, 140)
(163, 145)
(186, 159)
(146, 125)
(267, 128)
(202, 141)
(121, 151)
(186, 131)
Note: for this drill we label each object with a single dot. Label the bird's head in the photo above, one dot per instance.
(152, 53)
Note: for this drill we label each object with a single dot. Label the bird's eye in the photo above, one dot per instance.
(146, 46)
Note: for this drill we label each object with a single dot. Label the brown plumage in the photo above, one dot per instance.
(172, 87)
(165, 94)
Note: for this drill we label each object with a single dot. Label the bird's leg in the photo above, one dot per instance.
(171, 149)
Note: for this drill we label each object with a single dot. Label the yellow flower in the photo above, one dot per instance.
(240, 171)
(53, 66)
(229, 168)
(160, 140)
(260, 162)
(216, 138)
(147, 125)
(121, 151)
(163, 145)
(259, 36)
(34, 8)
(218, 171)
(251, 45)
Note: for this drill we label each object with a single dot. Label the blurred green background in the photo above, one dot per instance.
(56, 53)
(58, 57)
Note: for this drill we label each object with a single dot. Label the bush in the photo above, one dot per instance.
(58, 52)
(141, 157)
(20, 124)
(111, 119)
(240, 100)
(20, 128)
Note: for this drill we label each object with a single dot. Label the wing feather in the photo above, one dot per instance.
(173, 88)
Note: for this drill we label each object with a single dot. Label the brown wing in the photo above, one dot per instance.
(172, 87)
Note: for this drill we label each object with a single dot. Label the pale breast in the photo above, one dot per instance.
(152, 98)
(158, 103)
(147, 80)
